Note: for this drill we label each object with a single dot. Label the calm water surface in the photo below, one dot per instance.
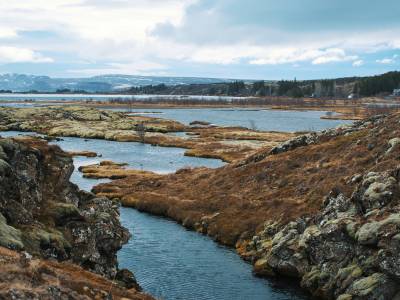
(138, 156)
(106, 97)
(262, 119)
(173, 263)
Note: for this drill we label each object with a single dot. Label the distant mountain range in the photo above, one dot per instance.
(103, 83)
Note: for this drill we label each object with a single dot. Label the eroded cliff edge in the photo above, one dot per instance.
(45, 219)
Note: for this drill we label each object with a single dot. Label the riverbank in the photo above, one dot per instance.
(58, 241)
(226, 143)
(310, 208)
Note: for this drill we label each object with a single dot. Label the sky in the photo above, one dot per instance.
(252, 39)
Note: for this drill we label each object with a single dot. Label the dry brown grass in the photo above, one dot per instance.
(82, 153)
(111, 170)
(38, 275)
(280, 187)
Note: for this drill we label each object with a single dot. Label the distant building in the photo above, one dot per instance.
(352, 96)
(396, 92)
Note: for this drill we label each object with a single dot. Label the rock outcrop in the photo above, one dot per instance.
(350, 250)
(46, 216)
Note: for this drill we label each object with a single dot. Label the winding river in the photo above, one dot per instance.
(169, 261)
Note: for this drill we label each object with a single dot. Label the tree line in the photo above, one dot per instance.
(380, 84)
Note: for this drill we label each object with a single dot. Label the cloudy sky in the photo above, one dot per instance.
(257, 39)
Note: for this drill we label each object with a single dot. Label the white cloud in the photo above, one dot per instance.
(137, 68)
(18, 55)
(388, 60)
(293, 55)
(128, 36)
(385, 61)
(92, 20)
(7, 32)
(358, 63)
(333, 55)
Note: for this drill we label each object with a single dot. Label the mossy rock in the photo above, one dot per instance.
(7, 145)
(3, 155)
(366, 285)
(368, 233)
(346, 276)
(375, 286)
(312, 279)
(262, 268)
(10, 237)
(62, 212)
(4, 166)
(345, 297)
(37, 239)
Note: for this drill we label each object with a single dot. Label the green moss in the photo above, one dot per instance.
(3, 155)
(366, 285)
(37, 238)
(4, 166)
(10, 237)
(344, 297)
(63, 211)
(349, 273)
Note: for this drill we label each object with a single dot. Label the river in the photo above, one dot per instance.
(169, 261)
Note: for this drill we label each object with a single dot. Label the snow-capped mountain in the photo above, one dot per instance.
(103, 83)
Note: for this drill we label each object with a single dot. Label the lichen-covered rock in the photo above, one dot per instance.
(375, 286)
(47, 216)
(393, 143)
(368, 233)
(350, 250)
(376, 190)
(299, 141)
(315, 137)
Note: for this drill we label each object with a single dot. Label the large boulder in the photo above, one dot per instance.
(42, 212)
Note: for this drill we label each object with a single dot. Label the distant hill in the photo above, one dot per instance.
(103, 83)
(382, 85)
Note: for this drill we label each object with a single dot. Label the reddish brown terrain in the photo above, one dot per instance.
(271, 204)
(33, 278)
(238, 198)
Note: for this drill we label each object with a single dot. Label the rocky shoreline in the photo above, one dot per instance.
(44, 219)
(323, 208)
